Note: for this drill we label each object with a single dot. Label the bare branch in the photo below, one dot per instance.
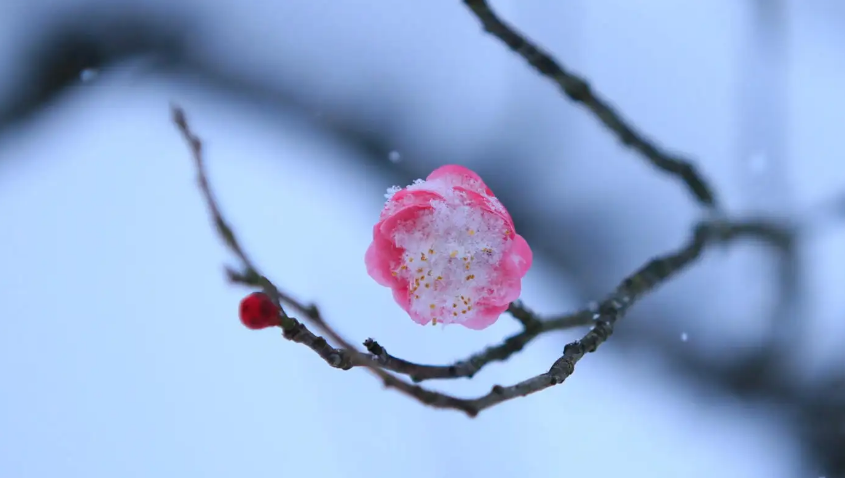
(577, 89)
(292, 328)
(617, 303)
(533, 327)
(604, 316)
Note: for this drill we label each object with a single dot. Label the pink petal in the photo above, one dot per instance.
(383, 255)
(486, 204)
(381, 258)
(505, 289)
(520, 257)
(401, 296)
(378, 266)
(485, 316)
(407, 198)
(506, 283)
(460, 176)
(384, 229)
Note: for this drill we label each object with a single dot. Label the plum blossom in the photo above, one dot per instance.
(448, 250)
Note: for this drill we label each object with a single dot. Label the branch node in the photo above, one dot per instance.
(374, 347)
(292, 332)
(573, 348)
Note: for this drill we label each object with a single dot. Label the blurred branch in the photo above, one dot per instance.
(604, 316)
(577, 89)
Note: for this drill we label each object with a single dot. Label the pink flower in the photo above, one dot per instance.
(448, 250)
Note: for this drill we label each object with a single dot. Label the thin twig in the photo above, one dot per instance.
(604, 316)
(580, 91)
(292, 329)
(533, 327)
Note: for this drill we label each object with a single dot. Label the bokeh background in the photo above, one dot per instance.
(120, 350)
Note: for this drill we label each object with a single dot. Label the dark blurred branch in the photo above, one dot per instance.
(577, 89)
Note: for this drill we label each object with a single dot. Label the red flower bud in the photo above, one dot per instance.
(258, 311)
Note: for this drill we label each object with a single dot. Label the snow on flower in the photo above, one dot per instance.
(448, 250)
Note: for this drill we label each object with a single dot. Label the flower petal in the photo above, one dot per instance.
(383, 255)
(378, 265)
(520, 256)
(489, 204)
(401, 296)
(504, 290)
(406, 198)
(485, 317)
(460, 176)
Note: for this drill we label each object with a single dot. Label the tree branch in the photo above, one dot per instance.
(292, 329)
(533, 327)
(604, 315)
(617, 303)
(577, 89)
